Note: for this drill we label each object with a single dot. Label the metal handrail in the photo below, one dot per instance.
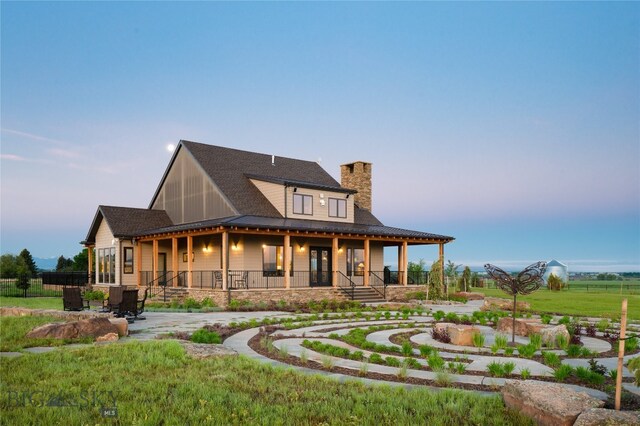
(350, 288)
(379, 284)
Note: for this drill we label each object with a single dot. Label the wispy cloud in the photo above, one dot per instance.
(12, 157)
(33, 136)
(64, 153)
(19, 158)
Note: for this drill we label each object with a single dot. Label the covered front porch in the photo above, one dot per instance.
(241, 259)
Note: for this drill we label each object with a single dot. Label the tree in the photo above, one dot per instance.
(554, 283)
(64, 264)
(475, 280)
(24, 278)
(11, 265)
(417, 270)
(28, 260)
(434, 289)
(465, 280)
(81, 260)
(451, 271)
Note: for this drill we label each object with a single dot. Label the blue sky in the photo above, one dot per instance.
(511, 126)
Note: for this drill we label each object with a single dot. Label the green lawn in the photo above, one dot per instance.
(157, 383)
(32, 302)
(581, 303)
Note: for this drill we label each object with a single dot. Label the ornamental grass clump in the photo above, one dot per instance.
(435, 361)
(562, 372)
(478, 340)
(551, 359)
(407, 349)
(535, 340)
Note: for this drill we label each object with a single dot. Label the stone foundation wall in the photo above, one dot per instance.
(302, 295)
(398, 293)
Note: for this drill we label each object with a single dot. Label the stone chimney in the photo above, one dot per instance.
(358, 176)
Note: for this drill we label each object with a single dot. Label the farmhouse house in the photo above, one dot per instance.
(225, 223)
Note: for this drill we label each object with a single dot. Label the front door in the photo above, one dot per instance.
(320, 266)
(162, 268)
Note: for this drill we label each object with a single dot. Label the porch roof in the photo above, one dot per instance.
(299, 225)
(126, 222)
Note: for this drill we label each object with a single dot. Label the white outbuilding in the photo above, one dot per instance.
(558, 269)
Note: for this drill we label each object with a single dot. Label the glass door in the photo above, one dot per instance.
(320, 266)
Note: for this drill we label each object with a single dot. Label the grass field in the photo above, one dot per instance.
(156, 383)
(596, 304)
(32, 302)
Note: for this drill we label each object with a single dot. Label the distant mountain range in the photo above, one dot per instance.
(46, 264)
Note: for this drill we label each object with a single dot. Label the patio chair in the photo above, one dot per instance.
(217, 276)
(72, 299)
(140, 306)
(115, 298)
(129, 305)
(242, 281)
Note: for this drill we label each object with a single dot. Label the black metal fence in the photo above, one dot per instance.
(37, 288)
(75, 278)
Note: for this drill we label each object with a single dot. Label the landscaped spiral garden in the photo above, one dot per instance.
(407, 346)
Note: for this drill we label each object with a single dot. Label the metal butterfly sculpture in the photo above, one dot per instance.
(526, 282)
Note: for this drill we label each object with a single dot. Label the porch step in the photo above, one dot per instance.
(170, 293)
(364, 295)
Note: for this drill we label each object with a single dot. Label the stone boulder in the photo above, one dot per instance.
(547, 403)
(109, 337)
(524, 327)
(206, 350)
(549, 334)
(496, 303)
(602, 416)
(460, 334)
(122, 325)
(470, 295)
(92, 327)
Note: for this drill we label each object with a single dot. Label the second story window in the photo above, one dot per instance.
(337, 207)
(302, 204)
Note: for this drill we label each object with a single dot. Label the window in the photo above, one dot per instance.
(128, 260)
(273, 261)
(302, 204)
(107, 265)
(337, 207)
(355, 262)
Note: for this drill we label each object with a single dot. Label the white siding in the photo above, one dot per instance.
(320, 212)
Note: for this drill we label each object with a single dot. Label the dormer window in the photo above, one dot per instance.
(302, 204)
(337, 207)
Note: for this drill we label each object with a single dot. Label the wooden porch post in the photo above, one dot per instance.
(405, 263)
(334, 261)
(155, 260)
(441, 259)
(400, 263)
(189, 261)
(287, 261)
(90, 265)
(174, 259)
(139, 262)
(225, 259)
(367, 265)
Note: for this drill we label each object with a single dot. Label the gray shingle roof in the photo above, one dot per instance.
(227, 168)
(300, 225)
(126, 222)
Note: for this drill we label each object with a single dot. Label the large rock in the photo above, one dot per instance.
(122, 325)
(66, 315)
(470, 295)
(498, 304)
(460, 334)
(550, 334)
(92, 327)
(523, 326)
(604, 417)
(205, 350)
(547, 403)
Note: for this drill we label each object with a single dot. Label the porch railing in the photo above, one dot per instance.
(413, 277)
(347, 286)
(377, 283)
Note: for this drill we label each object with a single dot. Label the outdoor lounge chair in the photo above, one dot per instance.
(72, 299)
(115, 298)
(129, 305)
(140, 306)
